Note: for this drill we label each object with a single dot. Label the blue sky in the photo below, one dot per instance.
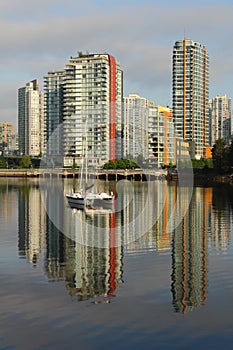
(40, 36)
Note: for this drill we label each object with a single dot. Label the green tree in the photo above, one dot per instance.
(230, 155)
(120, 164)
(3, 164)
(220, 154)
(25, 162)
(110, 165)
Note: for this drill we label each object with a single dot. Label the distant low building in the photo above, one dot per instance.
(13, 145)
(6, 137)
(182, 151)
(220, 117)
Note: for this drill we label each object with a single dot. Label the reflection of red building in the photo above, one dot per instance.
(92, 271)
(112, 253)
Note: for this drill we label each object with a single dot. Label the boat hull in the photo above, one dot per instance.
(90, 199)
(75, 200)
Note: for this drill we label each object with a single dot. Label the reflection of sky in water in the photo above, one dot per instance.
(37, 309)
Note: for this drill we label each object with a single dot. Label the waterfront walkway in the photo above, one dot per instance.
(108, 175)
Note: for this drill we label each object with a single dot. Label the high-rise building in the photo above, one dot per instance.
(53, 89)
(135, 126)
(148, 135)
(31, 119)
(220, 118)
(92, 104)
(191, 94)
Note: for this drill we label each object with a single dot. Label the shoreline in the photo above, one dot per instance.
(108, 175)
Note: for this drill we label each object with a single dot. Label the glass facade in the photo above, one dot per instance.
(191, 93)
(220, 118)
(54, 86)
(31, 119)
(92, 102)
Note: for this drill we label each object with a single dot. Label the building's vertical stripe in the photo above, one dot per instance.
(204, 102)
(112, 65)
(165, 115)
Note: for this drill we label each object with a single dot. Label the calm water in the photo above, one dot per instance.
(170, 287)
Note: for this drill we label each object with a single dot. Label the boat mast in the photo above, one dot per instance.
(85, 151)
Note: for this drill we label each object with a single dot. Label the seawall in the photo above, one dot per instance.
(108, 175)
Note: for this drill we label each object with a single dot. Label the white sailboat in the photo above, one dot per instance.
(80, 199)
(86, 197)
(77, 199)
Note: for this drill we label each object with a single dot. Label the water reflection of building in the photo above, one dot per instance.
(92, 271)
(87, 271)
(55, 240)
(31, 217)
(189, 254)
(55, 253)
(95, 270)
(155, 216)
(208, 221)
(7, 207)
(221, 220)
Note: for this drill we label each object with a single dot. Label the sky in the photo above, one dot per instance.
(37, 37)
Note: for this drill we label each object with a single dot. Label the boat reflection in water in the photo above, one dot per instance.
(89, 272)
(93, 207)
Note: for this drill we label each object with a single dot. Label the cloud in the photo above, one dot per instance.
(39, 38)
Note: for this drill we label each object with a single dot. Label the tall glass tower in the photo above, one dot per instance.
(53, 87)
(191, 94)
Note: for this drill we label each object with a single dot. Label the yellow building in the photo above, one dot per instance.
(166, 135)
(6, 133)
(6, 130)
